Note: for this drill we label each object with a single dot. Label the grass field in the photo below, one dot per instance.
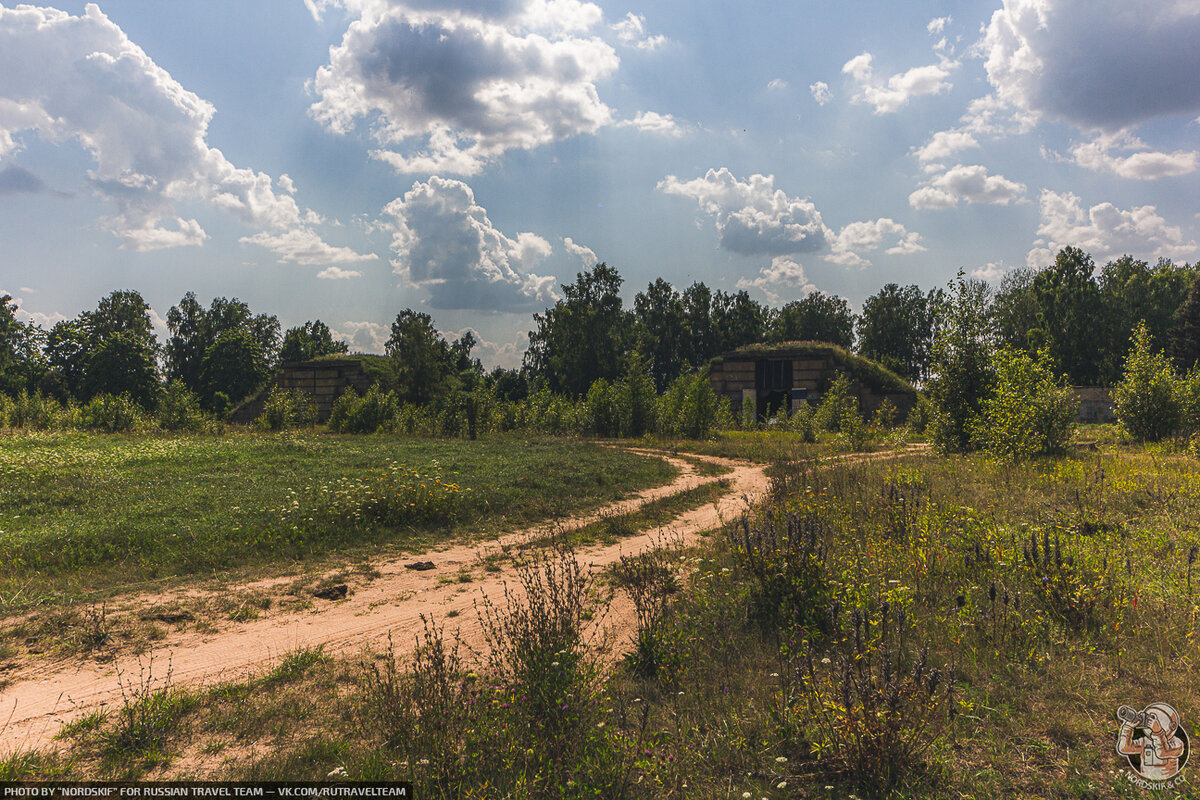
(922, 627)
(87, 513)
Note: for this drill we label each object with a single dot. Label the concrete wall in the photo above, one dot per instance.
(323, 380)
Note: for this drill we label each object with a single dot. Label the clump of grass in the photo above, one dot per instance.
(151, 713)
(875, 705)
(649, 580)
(784, 554)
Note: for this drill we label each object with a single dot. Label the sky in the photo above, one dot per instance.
(344, 160)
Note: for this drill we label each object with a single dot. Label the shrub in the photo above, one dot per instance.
(37, 411)
(1146, 400)
(373, 412)
(639, 398)
(803, 422)
(113, 413)
(603, 408)
(178, 409)
(1030, 409)
(838, 407)
(286, 409)
(689, 407)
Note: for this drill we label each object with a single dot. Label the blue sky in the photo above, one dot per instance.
(346, 159)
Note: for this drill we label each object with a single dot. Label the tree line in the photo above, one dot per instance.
(1081, 317)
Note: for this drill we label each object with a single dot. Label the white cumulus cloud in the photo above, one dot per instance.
(304, 246)
(585, 254)
(859, 237)
(1104, 231)
(969, 184)
(338, 274)
(449, 86)
(820, 92)
(894, 93)
(444, 242)
(65, 77)
(1141, 164)
(783, 276)
(363, 336)
(632, 31)
(653, 122)
(1097, 64)
(752, 216)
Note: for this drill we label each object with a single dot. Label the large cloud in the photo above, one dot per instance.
(753, 217)
(448, 86)
(1105, 231)
(1097, 64)
(445, 243)
(867, 235)
(967, 183)
(65, 77)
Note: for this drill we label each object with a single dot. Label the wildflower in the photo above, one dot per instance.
(781, 759)
(554, 663)
(340, 772)
(746, 796)
(423, 762)
(781, 785)
(599, 724)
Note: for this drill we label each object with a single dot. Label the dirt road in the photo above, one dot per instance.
(43, 696)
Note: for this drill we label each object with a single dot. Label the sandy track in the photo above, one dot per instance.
(44, 696)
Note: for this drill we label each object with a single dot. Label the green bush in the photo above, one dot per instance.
(37, 411)
(1146, 400)
(374, 412)
(286, 409)
(603, 408)
(178, 409)
(113, 413)
(1030, 409)
(689, 407)
(839, 408)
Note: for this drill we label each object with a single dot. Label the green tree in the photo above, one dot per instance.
(1134, 291)
(585, 335)
(817, 317)
(111, 350)
(1070, 313)
(962, 371)
(308, 341)
(21, 361)
(1146, 401)
(1184, 335)
(1030, 410)
(194, 332)
(697, 308)
(1015, 312)
(662, 331)
(425, 365)
(896, 329)
(233, 364)
(737, 320)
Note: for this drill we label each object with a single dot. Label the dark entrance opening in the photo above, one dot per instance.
(773, 385)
